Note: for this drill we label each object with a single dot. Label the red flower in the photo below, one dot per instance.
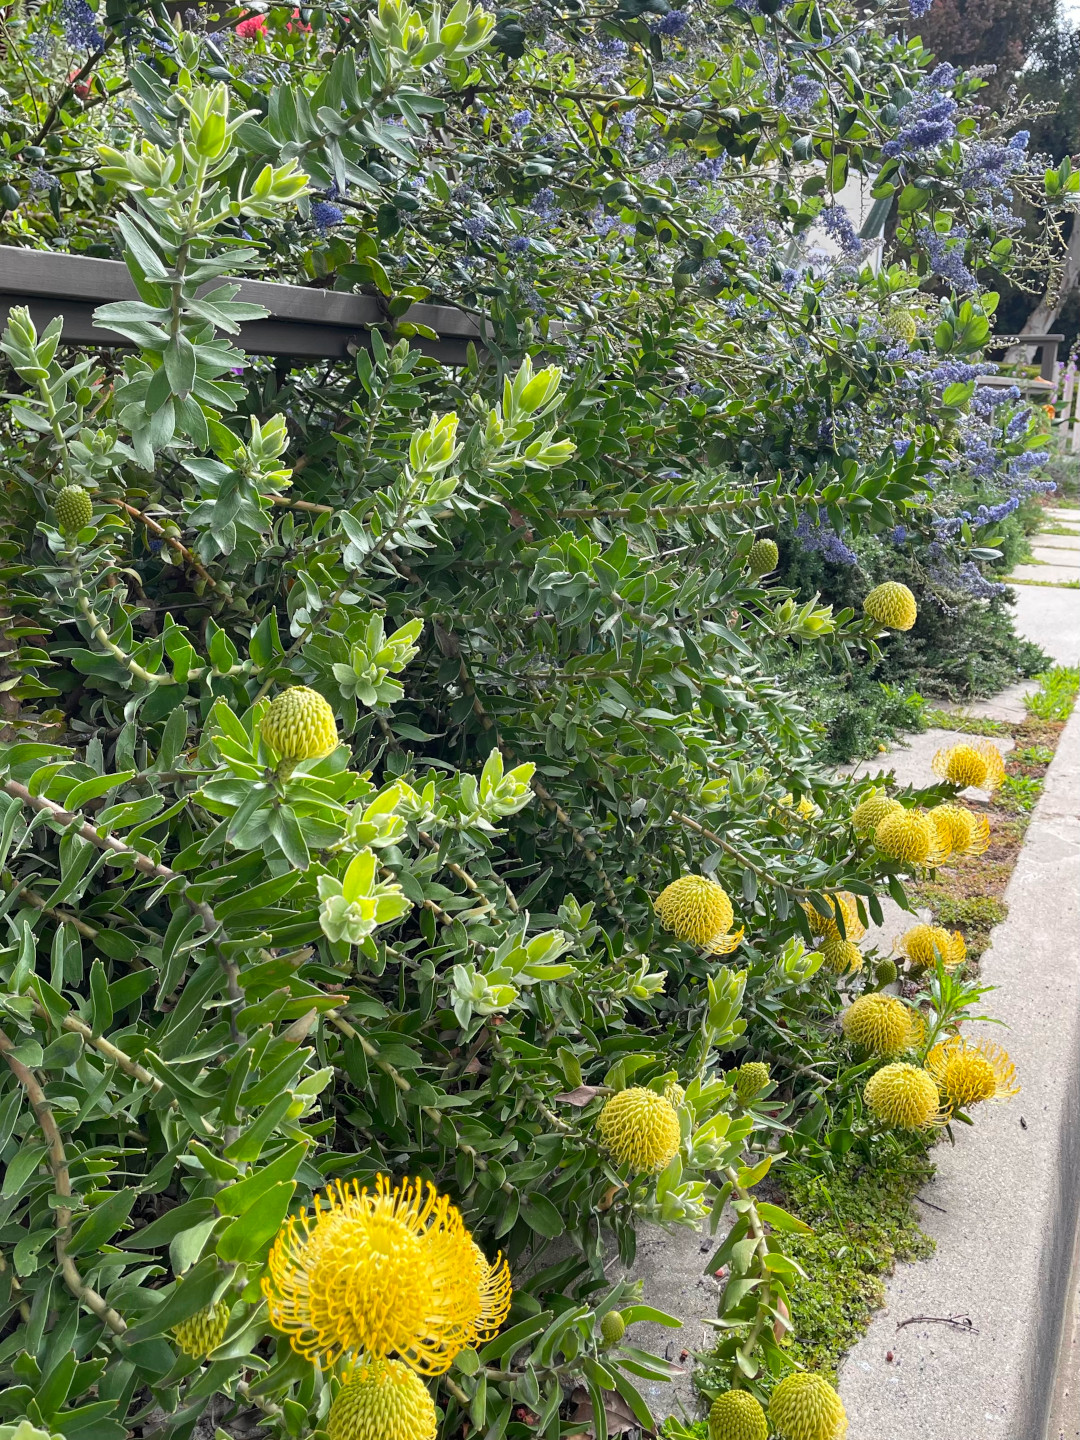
(249, 29)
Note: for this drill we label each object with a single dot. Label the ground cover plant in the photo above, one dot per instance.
(415, 876)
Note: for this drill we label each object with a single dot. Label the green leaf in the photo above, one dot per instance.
(102, 1223)
(249, 1237)
(541, 1215)
(238, 1198)
(780, 1219)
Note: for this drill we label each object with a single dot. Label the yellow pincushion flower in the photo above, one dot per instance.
(300, 725)
(904, 325)
(736, 1415)
(960, 831)
(382, 1400)
(880, 1024)
(969, 1074)
(74, 509)
(804, 1406)
(903, 1097)
(202, 1332)
(750, 1080)
(924, 945)
(977, 763)
(892, 605)
(764, 556)
(697, 909)
(640, 1129)
(674, 1094)
(389, 1272)
(909, 835)
(841, 957)
(824, 924)
(870, 812)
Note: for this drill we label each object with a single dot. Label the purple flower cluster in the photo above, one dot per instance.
(80, 29)
(947, 260)
(673, 23)
(325, 217)
(801, 95)
(952, 372)
(919, 8)
(966, 577)
(544, 205)
(836, 222)
(42, 180)
(988, 397)
(813, 535)
(989, 165)
(899, 534)
(929, 120)
(520, 119)
(476, 227)
(991, 514)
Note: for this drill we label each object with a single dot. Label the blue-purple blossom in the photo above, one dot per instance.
(989, 164)
(80, 29)
(325, 216)
(947, 260)
(673, 23)
(927, 121)
(899, 534)
(801, 95)
(520, 119)
(987, 398)
(518, 245)
(42, 180)
(836, 222)
(476, 227)
(814, 535)
(919, 8)
(544, 205)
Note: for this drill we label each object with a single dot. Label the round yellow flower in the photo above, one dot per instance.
(804, 1406)
(892, 605)
(736, 1415)
(750, 1081)
(841, 957)
(923, 945)
(389, 1272)
(910, 836)
(870, 812)
(824, 924)
(960, 831)
(300, 725)
(763, 557)
(880, 1024)
(968, 1074)
(674, 1094)
(977, 763)
(382, 1400)
(640, 1129)
(202, 1332)
(903, 1096)
(697, 909)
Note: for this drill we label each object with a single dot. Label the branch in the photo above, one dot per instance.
(58, 1165)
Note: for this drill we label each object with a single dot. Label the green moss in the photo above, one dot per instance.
(863, 1222)
(967, 724)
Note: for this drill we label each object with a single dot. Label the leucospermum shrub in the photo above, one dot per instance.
(390, 743)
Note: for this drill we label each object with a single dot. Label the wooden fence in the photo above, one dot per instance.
(303, 324)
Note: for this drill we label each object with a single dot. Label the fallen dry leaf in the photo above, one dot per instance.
(620, 1418)
(581, 1096)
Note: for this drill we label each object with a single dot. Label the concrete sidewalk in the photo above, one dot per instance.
(1005, 1197)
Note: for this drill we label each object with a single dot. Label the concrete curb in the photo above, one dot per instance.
(1006, 1197)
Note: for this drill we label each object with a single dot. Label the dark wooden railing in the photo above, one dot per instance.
(302, 324)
